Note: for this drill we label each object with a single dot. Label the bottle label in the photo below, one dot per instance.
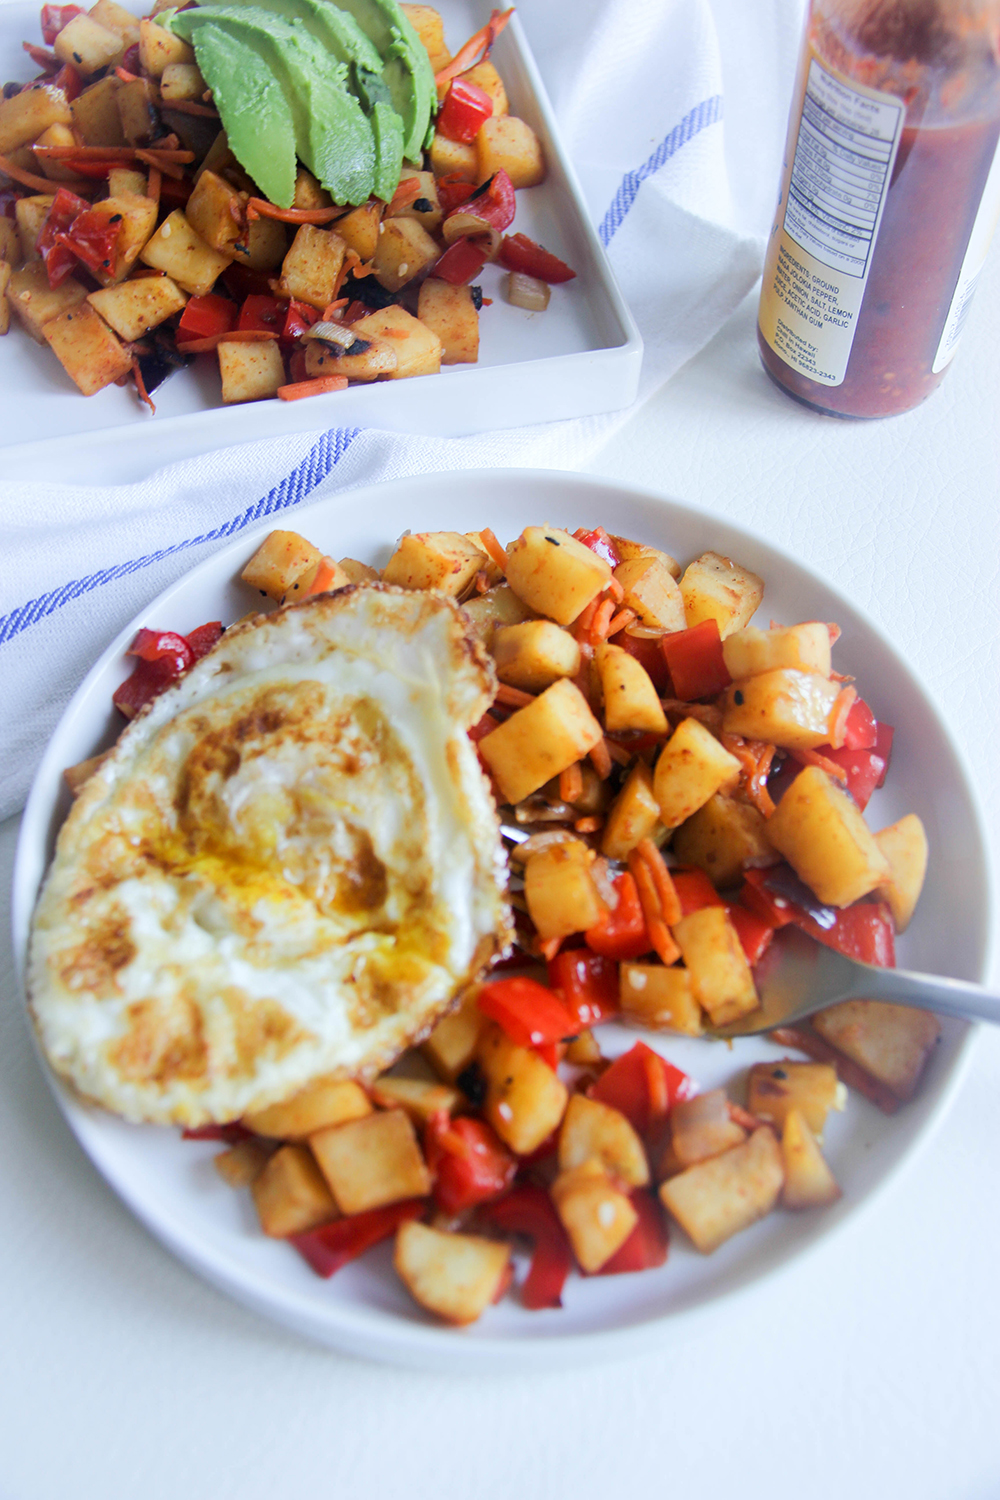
(972, 265)
(831, 205)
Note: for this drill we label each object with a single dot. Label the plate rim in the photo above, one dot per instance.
(349, 1329)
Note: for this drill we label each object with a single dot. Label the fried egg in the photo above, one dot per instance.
(287, 868)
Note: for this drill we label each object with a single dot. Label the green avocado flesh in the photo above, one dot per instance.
(340, 33)
(332, 135)
(406, 67)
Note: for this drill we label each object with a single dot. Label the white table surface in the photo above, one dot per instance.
(867, 1370)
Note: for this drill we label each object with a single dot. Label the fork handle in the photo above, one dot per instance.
(948, 997)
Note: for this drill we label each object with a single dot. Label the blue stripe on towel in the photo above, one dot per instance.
(314, 468)
(704, 114)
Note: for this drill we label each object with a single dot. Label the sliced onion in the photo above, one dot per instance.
(527, 292)
(539, 842)
(331, 333)
(460, 226)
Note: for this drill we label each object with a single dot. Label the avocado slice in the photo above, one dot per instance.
(258, 118)
(333, 136)
(387, 128)
(339, 32)
(406, 67)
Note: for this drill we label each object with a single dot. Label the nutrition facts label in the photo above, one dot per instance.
(841, 171)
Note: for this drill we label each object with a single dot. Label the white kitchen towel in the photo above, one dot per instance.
(673, 112)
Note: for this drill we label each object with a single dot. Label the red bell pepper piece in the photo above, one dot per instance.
(531, 1015)
(299, 318)
(261, 314)
(332, 1245)
(493, 202)
(883, 746)
(204, 638)
(470, 1162)
(597, 540)
(528, 1210)
(589, 984)
(864, 931)
(647, 652)
(54, 18)
(452, 189)
(58, 257)
(164, 646)
(622, 933)
(70, 80)
(697, 666)
(860, 728)
(465, 107)
(754, 933)
(769, 906)
(626, 1086)
(518, 253)
(232, 1134)
(93, 239)
(647, 1245)
(163, 657)
(460, 262)
(203, 317)
(865, 770)
(695, 890)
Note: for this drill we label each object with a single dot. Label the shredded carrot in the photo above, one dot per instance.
(156, 159)
(619, 754)
(571, 783)
(705, 713)
(656, 1084)
(588, 825)
(406, 193)
(189, 107)
(329, 313)
(259, 208)
(813, 758)
(169, 142)
(40, 184)
(106, 153)
(755, 757)
(666, 892)
(126, 76)
(616, 591)
(318, 387)
(234, 336)
(600, 759)
(584, 620)
(659, 933)
(493, 547)
(154, 182)
(620, 620)
(849, 1072)
(550, 948)
(838, 715)
(140, 384)
(481, 42)
(513, 696)
(602, 619)
(327, 569)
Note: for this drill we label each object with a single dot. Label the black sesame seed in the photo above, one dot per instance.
(423, 206)
(552, 541)
(778, 1073)
(472, 1082)
(477, 297)
(738, 698)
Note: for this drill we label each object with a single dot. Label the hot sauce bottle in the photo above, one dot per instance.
(889, 197)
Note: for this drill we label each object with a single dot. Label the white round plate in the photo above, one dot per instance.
(171, 1184)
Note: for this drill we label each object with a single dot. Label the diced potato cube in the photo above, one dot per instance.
(534, 654)
(445, 561)
(540, 740)
(31, 214)
(95, 113)
(701, 1128)
(721, 980)
(311, 269)
(123, 182)
(88, 45)
(182, 80)
(692, 767)
(453, 316)
(716, 588)
(215, 210)
(137, 219)
(308, 193)
(36, 303)
(485, 76)
(819, 830)
(724, 838)
(560, 892)
(418, 349)
(634, 814)
(264, 245)
(158, 48)
(525, 1100)
(10, 242)
(584, 1051)
(597, 1216)
(180, 251)
(116, 18)
(358, 572)
(427, 23)
(809, 1183)
(891, 1042)
(242, 1164)
(660, 998)
(137, 101)
(250, 371)
(281, 558)
(24, 116)
(652, 591)
(451, 1046)
(497, 607)
(630, 699)
(804, 648)
(134, 307)
(419, 1097)
(325, 1102)
(372, 1161)
(785, 707)
(715, 1199)
(56, 135)
(507, 142)
(87, 349)
(428, 216)
(404, 250)
(290, 1194)
(456, 1276)
(810, 1088)
(592, 1131)
(554, 573)
(373, 360)
(359, 229)
(904, 845)
(627, 549)
(452, 156)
